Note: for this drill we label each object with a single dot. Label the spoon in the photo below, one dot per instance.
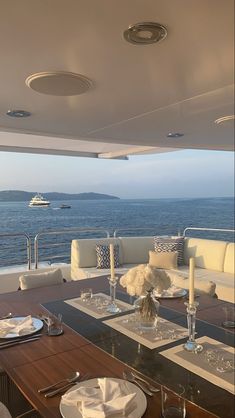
(128, 376)
(71, 379)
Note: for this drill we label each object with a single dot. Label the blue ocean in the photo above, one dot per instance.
(158, 216)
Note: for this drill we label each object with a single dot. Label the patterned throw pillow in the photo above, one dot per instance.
(170, 244)
(103, 256)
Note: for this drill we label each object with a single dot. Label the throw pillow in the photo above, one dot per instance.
(170, 244)
(47, 278)
(164, 260)
(103, 256)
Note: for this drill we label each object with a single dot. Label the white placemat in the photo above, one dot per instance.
(198, 364)
(97, 305)
(165, 333)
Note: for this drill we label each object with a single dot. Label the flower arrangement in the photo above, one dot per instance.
(140, 279)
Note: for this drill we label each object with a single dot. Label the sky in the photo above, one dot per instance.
(185, 173)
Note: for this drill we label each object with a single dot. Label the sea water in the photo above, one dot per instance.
(158, 216)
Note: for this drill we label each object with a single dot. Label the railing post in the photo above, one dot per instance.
(36, 251)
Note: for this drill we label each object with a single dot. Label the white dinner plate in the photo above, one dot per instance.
(68, 411)
(37, 323)
(166, 295)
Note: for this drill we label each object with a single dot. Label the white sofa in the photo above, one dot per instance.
(214, 260)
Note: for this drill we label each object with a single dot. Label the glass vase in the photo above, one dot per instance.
(146, 311)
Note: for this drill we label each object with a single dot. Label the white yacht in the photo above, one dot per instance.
(39, 201)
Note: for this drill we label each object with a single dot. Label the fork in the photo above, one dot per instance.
(61, 389)
(152, 388)
(128, 376)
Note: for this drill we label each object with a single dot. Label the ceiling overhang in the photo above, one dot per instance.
(139, 94)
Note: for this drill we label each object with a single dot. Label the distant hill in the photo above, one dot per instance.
(22, 196)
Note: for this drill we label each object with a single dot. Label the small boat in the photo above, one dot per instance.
(63, 206)
(39, 201)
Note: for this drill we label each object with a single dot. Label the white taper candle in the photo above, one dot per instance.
(111, 248)
(191, 280)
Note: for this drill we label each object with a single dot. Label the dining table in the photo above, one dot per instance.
(95, 348)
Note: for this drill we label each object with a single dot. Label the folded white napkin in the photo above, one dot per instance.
(111, 398)
(173, 291)
(16, 326)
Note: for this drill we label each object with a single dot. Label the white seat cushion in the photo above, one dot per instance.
(48, 278)
(229, 258)
(135, 250)
(83, 253)
(208, 254)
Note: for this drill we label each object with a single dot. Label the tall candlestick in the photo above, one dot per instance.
(191, 280)
(111, 248)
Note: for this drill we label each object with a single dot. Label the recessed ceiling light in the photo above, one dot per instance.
(225, 119)
(18, 113)
(174, 135)
(145, 33)
(59, 83)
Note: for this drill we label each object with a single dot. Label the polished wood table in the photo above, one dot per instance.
(98, 351)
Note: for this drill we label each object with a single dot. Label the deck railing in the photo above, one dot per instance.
(17, 236)
(154, 230)
(44, 249)
(207, 230)
(54, 234)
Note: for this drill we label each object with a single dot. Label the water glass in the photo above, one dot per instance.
(55, 325)
(86, 295)
(173, 405)
(229, 313)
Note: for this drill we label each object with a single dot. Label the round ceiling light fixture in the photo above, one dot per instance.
(224, 119)
(18, 113)
(59, 83)
(145, 33)
(174, 135)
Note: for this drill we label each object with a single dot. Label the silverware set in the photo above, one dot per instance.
(19, 340)
(142, 383)
(68, 382)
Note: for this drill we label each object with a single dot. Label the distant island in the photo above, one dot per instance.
(22, 196)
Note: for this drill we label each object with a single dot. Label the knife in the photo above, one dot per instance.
(19, 338)
(12, 344)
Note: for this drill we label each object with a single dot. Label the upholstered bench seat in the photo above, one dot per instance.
(214, 260)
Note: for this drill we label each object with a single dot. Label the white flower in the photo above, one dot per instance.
(138, 280)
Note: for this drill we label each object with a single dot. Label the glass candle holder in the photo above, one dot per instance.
(191, 345)
(112, 307)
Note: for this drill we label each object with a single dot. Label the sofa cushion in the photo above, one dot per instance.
(83, 252)
(103, 256)
(164, 260)
(48, 278)
(229, 258)
(135, 250)
(170, 244)
(208, 254)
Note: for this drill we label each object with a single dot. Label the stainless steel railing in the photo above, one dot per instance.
(69, 231)
(27, 246)
(147, 228)
(208, 229)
